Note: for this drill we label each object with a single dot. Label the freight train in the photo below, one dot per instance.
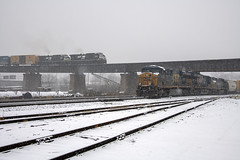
(156, 81)
(63, 59)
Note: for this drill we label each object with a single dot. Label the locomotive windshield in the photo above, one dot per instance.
(153, 68)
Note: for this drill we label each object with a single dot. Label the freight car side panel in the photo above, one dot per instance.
(14, 60)
(4, 60)
(32, 59)
(22, 59)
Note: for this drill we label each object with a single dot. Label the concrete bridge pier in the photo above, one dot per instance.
(31, 81)
(129, 83)
(77, 83)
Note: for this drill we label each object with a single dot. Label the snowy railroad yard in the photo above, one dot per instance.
(208, 132)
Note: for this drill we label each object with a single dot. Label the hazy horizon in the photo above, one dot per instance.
(125, 31)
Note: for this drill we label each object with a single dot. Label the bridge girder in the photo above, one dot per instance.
(220, 65)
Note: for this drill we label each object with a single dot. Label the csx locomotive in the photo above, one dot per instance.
(156, 81)
(63, 59)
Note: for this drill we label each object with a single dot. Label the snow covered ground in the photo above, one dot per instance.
(7, 94)
(209, 132)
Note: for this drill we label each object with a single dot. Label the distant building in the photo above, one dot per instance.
(11, 81)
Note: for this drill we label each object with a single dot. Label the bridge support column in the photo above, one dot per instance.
(129, 83)
(31, 81)
(77, 83)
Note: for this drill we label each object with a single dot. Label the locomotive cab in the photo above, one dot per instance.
(149, 80)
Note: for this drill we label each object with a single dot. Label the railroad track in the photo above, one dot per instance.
(63, 100)
(52, 137)
(121, 136)
(42, 116)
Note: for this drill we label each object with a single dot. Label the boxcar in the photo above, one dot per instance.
(24, 60)
(4, 60)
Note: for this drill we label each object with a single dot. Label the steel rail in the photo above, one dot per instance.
(64, 101)
(34, 117)
(53, 136)
(13, 100)
(29, 102)
(122, 135)
(83, 110)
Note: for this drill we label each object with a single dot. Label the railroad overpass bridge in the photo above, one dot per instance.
(32, 76)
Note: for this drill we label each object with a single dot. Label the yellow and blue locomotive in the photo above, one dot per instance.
(156, 81)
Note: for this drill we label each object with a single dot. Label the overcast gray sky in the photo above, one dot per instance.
(124, 30)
